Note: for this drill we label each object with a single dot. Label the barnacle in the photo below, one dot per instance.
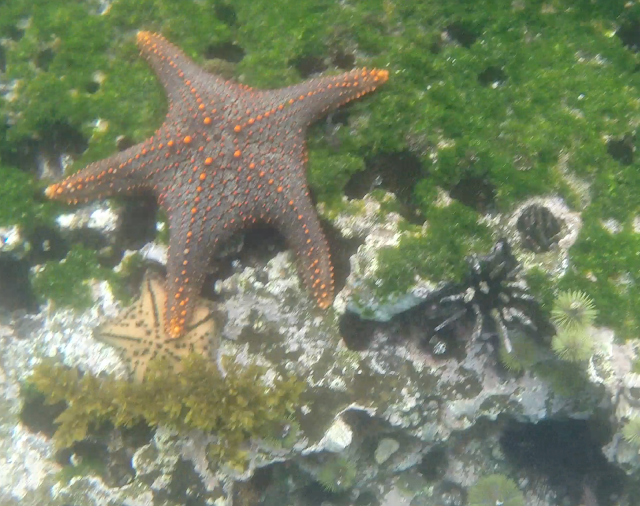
(492, 291)
(573, 345)
(539, 228)
(337, 474)
(631, 431)
(573, 310)
(493, 490)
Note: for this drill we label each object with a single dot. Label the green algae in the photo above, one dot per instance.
(66, 282)
(524, 98)
(235, 407)
(18, 203)
(437, 254)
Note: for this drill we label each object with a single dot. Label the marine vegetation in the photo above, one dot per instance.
(236, 407)
(337, 474)
(492, 293)
(631, 431)
(573, 310)
(493, 490)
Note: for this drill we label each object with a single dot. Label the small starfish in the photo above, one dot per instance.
(226, 157)
(140, 333)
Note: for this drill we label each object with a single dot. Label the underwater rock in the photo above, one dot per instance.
(337, 437)
(386, 447)
(422, 400)
(365, 218)
(11, 240)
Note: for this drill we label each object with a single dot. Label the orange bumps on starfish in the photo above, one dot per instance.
(252, 129)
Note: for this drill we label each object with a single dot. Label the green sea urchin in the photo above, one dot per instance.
(631, 431)
(493, 490)
(573, 345)
(524, 354)
(573, 310)
(337, 474)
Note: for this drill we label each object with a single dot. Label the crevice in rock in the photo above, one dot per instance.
(629, 34)
(227, 51)
(137, 222)
(15, 288)
(622, 149)
(492, 76)
(37, 415)
(309, 65)
(462, 33)
(397, 173)
(565, 455)
(474, 191)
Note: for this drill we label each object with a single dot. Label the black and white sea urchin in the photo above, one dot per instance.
(492, 293)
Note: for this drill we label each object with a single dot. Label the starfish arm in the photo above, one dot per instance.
(118, 174)
(196, 229)
(295, 217)
(181, 78)
(312, 99)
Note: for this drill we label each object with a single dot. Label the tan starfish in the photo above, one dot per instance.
(140, 333)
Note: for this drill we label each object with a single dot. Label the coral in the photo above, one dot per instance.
(235, 407)
(492, 291)
(495, 489)
(573, 345)
(631, 431)
(337, 474)
(573, 310)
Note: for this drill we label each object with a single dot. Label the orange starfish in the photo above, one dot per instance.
(227, 156)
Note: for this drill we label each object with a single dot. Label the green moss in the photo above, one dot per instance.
(236, 408)
(18, 205)
(541, 287)
(66, 282)
(437, 254)
(566, 379)
(132, 265)
(607, 266)
(89, 466)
